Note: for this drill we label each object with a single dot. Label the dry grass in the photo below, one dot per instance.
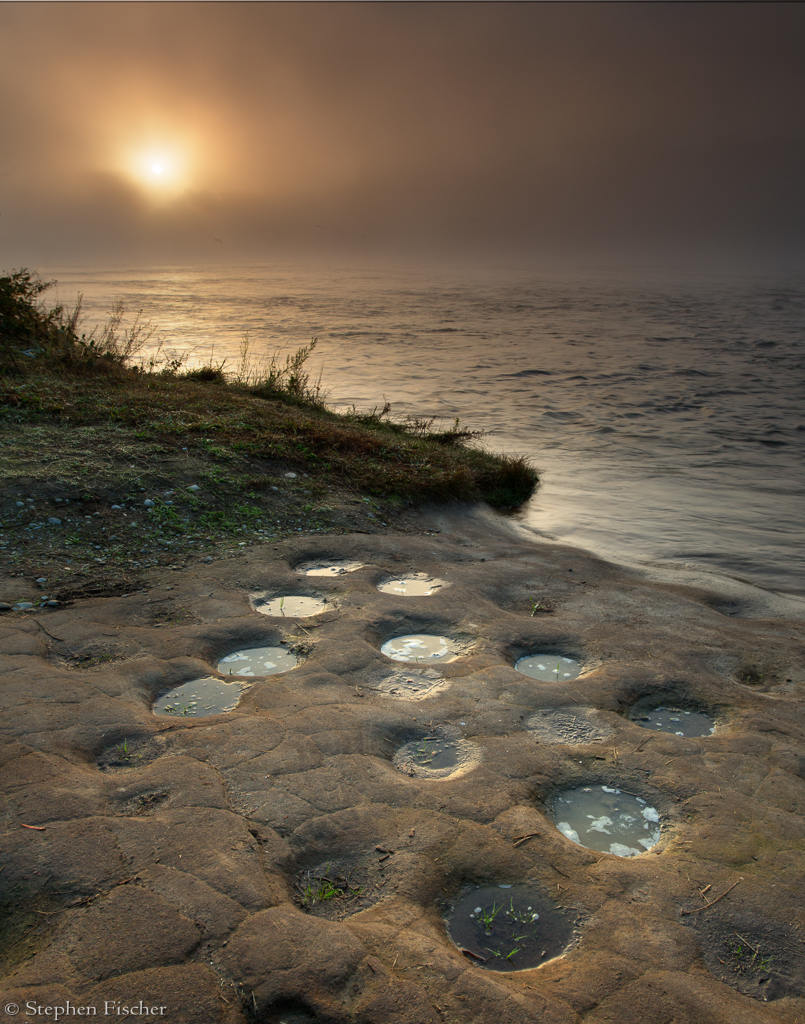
(81, 423)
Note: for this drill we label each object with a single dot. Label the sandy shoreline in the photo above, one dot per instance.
(166, 857)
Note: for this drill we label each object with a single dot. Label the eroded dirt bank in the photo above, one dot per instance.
(294, 859)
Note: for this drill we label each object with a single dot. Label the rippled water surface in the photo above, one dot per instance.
(665, 415)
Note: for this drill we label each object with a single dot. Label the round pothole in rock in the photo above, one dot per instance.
(258, 661)
(199, 698)
(548, 668)
(746, 947)
(338, 888)
(568, 725)
(436, 755)
(607, 819)
(679, 721)
(328, 569)
(415, 648)
(131, 752)
(508, 928)
(413, 584)
(290, 606)
(290, 1013)
(412, 685)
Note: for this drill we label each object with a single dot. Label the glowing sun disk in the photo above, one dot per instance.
(160, 170)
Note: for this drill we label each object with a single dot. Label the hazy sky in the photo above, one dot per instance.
(159, 132)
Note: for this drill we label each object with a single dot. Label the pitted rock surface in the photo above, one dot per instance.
(158, 859)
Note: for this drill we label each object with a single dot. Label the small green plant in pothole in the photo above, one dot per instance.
(317, 889)
(747, 958)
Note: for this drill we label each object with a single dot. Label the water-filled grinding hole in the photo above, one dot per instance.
(328, 569)
(436, 755)
(413, 584)
(679, 721)
(548, 668)
(568, 725)
(607, 819)
(199, 698)
(419, 647)
(294, 606)
(258, 661)
(508, 928)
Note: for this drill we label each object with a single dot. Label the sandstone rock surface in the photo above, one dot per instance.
(183, 862)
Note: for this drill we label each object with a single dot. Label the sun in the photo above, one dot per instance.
(162, 171)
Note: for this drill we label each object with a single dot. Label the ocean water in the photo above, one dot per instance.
(665, 414)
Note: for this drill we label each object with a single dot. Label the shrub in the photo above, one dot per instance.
(24, 323)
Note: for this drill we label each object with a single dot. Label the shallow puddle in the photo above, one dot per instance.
(568, 725)
(199, 698)
(294, 606)
(412, 685)
(258, 661)
(419, 647)
(548, 668)
(436, 756)
(679, 721)
(414, 584)
(607, 819)
(328, 569)
(508, 927)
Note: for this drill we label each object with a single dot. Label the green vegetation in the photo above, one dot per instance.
(748, 958)
(115, 460)
(488, 915)
(316, 889)
(320, 892)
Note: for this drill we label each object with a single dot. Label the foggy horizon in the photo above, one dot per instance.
(166, 133)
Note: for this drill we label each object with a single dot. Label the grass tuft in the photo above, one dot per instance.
(110, 420)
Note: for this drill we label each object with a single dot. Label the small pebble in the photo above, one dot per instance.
(42, 579)
(23, 606)
(116, 508)
(148, 503)
(53, 603)
(54, 521)
(290, 476)
(4, 606)
(194, 487)
(20, 504)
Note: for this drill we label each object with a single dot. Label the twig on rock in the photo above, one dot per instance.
(473, 956)
(712, 903)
